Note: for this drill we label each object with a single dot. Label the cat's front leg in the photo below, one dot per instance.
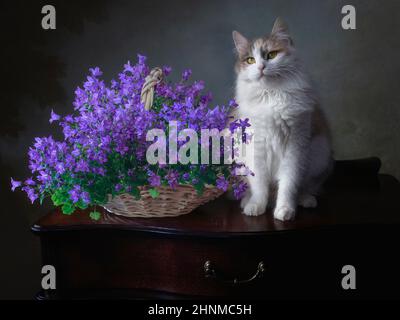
(256, 200)
(289, 176)
(286, 203)
(245, 199)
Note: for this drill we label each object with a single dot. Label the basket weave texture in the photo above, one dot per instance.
(170, 202)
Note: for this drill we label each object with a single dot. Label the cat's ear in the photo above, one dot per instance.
(241, 42)
(280, 26)
(281, 30)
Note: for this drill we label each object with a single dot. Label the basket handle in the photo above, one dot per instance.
(147, 95)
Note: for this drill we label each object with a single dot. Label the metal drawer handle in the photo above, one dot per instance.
(210, 272)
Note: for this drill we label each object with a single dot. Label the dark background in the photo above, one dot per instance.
(355, 71)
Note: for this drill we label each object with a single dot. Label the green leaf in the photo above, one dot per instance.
(60, 197)
(135, 192)
(68, 209)
(199, 188)
(56, 199)
(81, 205)
(154, 193)
(95, 215)
(41, 198)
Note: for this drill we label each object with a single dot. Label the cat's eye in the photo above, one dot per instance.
(271, 55)
(251, 60)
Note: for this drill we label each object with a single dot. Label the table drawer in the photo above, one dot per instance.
(253, 267)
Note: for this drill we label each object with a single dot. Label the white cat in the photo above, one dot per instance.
(292, 144)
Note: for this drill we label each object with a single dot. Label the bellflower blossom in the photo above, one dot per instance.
(103, 150)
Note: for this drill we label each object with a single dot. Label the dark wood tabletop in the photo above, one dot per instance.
(204, 253)
(355, 194)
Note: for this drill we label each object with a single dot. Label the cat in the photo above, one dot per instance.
(292, 144)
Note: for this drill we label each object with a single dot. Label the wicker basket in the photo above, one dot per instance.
(169, 202)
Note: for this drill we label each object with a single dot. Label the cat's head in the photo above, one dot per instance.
(266, 58)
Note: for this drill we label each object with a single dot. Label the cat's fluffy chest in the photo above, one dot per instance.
(270, 123)
(269, 118)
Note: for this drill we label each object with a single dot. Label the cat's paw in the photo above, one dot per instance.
(284, 213)
(244, 201)
(307, 201)
(253, 208)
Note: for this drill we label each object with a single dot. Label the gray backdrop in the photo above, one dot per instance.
(355, 71)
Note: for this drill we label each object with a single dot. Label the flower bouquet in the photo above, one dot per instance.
(103, 159)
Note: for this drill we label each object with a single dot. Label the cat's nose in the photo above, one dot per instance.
(261, 67)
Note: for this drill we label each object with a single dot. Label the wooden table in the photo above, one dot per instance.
(216, 251)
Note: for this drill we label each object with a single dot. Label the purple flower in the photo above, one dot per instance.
(29, 182)
(60, 168)
(100, 171)
(186, 74)
(15, 184)
(76, 152)
(104, 139)
(172, 178)
(232, 104)
(222, 183)
(44, 177)
(128, 67)
(32, 195)
(141, 59)
(244, 123)
(82, 166)
(54, 116)
(166, 70)
(75, 194)
(95, 72)
(154, 179)
(239, 189)
(186, 176)
(85, 197)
